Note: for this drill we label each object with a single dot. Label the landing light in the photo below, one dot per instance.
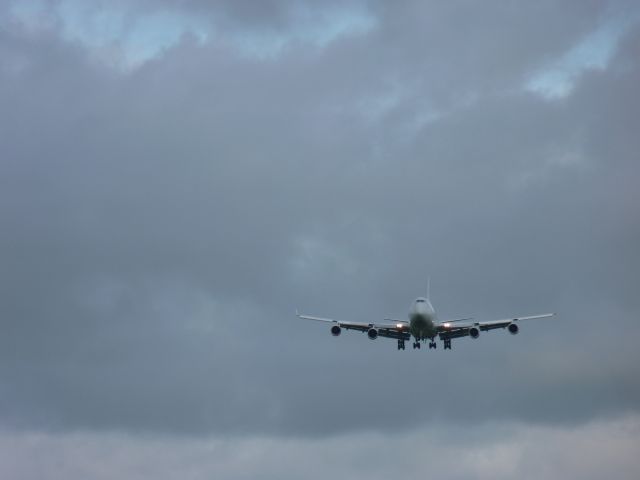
(447, 325)
(399, 325)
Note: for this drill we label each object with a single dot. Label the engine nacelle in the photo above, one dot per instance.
(372, 333)
(336, 330)
(474, 332)
(513, 328)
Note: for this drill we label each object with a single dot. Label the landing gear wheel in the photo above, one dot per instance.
(447, 344)
(432, 345)
(400, 344)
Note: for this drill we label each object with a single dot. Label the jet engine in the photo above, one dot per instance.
(372, 333)
(474, 332)
(513, 328)
(336, 330)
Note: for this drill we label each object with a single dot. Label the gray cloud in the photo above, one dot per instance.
(493, 451)
(159, 226)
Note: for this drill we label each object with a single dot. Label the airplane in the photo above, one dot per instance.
(423, 324)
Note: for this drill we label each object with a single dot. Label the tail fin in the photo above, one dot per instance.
(429, 288)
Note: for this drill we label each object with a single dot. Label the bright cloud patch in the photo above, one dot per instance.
(114, 33)
(128, 37)
(318, 28)
(593, 52)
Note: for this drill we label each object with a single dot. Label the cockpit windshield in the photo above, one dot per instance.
(420, 300)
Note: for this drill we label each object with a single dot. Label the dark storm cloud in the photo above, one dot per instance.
(159, 226)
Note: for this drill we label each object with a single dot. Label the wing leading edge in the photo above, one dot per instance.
(399, 329)
(456, 330)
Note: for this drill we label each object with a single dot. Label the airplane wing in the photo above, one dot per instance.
(399, 329)
(458, 320)
(395, 320)
(451, 329)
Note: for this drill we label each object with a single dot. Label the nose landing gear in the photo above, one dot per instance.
(400, 344)
(447, 344)
(432, 344)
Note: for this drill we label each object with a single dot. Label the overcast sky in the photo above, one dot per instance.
(176, 178)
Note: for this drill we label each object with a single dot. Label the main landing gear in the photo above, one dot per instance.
(432, 344)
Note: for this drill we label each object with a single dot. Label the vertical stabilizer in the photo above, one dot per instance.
(429, 288)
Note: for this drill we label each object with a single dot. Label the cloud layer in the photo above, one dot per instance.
(492, 452)
(160, 224)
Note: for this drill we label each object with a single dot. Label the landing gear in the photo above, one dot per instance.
(416, 345)
(400, 344)
(432, 344)
(447, 344)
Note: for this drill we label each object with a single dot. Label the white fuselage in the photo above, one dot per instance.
(422, 319)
